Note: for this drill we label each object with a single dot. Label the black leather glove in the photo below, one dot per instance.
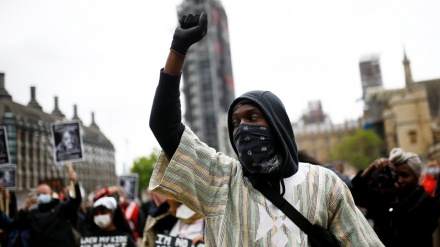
(191, 29)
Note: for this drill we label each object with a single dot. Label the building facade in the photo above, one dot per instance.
(371, 75)
(208, 84)
(31, 149)
(317, 135)
(407, 116)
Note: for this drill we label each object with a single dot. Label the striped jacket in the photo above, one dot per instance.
(236, 214)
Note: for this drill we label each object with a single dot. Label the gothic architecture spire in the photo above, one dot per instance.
(408, 76)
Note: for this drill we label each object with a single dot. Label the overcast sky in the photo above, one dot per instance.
(105, 55)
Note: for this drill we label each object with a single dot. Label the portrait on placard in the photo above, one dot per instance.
(130, 185)
(67, 141)
(8, 176)
(4, 148)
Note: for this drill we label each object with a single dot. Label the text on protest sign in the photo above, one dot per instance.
(104, 241)
(171, 241)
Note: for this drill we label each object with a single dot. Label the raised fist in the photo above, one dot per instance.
(191, 29)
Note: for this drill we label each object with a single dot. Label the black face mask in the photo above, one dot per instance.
(256, 149)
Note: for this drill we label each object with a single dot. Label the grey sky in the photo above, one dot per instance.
(105, 55)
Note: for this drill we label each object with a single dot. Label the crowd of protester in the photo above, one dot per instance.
(399, 195)
(73, 218)
(394, 202)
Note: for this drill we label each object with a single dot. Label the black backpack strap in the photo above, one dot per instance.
(318, 235)
(288, 209)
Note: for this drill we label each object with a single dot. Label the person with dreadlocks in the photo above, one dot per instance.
(227, 192)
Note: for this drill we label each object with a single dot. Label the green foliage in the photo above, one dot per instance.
(144, 166)
(359, 149)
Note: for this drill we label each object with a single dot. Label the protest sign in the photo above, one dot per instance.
(130, 184)
(8, 176)
(171, 241)
(4, 148)
(105, 241)
(67, 141)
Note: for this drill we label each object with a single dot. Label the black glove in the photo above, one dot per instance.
(191, 29)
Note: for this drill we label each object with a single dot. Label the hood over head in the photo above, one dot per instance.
(279, 122)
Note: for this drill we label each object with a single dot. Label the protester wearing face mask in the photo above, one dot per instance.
(109, 221)
(429, 182)
(49, 224)
(242, 200)
(135, 217)
(189, 224)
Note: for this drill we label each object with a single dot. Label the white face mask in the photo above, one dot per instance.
(44, 198)
(184, 212)
(433, 170)
(102, 221)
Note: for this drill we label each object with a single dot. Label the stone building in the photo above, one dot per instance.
(406, 117)
(317, 135)
(31, 149)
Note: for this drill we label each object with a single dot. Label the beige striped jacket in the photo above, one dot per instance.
(212, 184)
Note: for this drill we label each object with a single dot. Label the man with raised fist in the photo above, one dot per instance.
(239, 199)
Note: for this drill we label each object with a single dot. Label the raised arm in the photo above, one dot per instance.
(73, 203)
(166, 116)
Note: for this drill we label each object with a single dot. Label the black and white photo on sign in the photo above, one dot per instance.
(130, 185)
(8, 176)
(4, 148)
(67, 141)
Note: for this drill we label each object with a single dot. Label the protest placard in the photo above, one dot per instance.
(171, 241)
(67, 141)
(8, 176)
(130, 184)
(4, 148)
(104, 241)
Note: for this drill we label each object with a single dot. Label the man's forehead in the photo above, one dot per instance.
(43, 188)
(246, 107)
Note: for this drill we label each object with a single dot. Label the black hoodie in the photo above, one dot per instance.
(165, 122)
(276, 115)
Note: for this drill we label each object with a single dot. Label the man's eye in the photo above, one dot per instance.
(254, 118)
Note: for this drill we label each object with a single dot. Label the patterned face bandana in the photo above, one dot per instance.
(255, 147)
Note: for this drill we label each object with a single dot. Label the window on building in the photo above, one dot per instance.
(12, 131)
(412, 134)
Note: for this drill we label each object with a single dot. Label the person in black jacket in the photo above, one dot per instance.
(403, 213)
(49, 224)
(8, 207)
(109, 221)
